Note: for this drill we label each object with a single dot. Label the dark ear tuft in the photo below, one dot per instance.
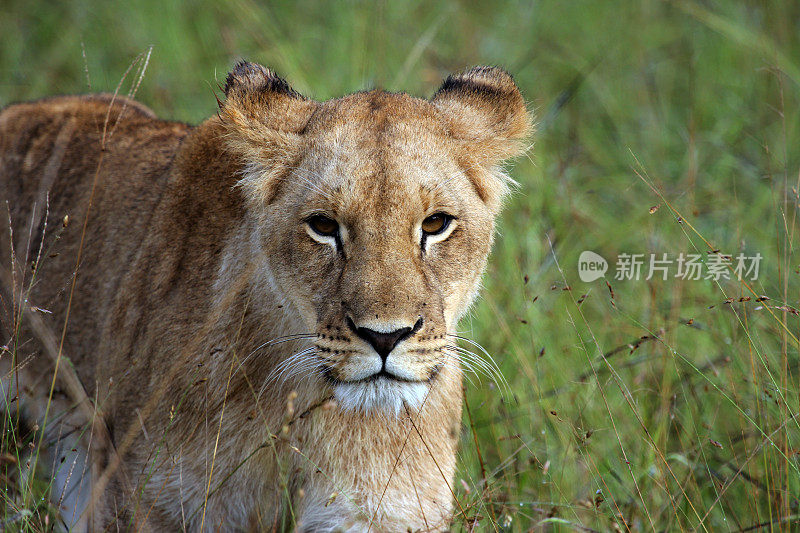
(253, 78)
(256, 95)
(479, 80)
(484, 104)
(257, 98)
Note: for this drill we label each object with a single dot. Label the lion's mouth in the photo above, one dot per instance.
(381, 392)
(383, 374)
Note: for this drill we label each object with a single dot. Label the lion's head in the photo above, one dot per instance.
(375, 215)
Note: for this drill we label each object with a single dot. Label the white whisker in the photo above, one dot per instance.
(452, 359)
(485, 361)
(296, 364)
(490, 371)
(472, 366)
(278, 340)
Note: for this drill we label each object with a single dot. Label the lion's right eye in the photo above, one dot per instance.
(436, 223)
(322, 225)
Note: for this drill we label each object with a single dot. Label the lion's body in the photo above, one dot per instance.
(172, 303)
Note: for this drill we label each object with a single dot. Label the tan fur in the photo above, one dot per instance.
(197, 253)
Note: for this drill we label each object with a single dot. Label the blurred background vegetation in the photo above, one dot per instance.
(663, 127)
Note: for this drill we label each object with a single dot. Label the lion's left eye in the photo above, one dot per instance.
(324, 226)
(436, 223)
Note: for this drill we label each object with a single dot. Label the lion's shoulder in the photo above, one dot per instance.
(52, 151)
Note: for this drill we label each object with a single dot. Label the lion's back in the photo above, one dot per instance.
(58, 156)
(54, 145)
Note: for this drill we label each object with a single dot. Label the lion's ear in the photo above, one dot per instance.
(264, 121)
(486, 113)
(484, 105)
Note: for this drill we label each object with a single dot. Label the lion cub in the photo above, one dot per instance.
(260, 310)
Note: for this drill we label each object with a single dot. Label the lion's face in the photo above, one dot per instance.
(379, 238)
(375, 219)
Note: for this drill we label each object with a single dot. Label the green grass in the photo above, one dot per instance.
(690, 106)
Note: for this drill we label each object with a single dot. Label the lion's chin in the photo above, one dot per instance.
(382, 394)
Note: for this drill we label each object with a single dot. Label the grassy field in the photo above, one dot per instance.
(663, 128)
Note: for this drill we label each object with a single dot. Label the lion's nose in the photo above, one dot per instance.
(384, 343)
